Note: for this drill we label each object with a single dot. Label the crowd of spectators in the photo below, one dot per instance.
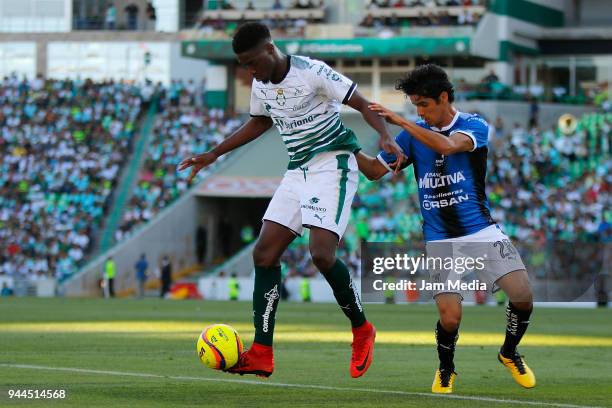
(544, 186)
(423, 3)
(600, 95)
(62, 146)
(276, 5)
(491, 87)
(184, 126)
(89, 16)
(281, 25)
(551, 185)
(277, 17)
(431, 19)
(431, 14)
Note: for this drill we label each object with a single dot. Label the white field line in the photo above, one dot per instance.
(286, 385)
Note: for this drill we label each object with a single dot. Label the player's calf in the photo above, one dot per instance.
(517, 316)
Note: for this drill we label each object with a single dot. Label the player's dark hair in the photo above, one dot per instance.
(249, 35)
(428, 81)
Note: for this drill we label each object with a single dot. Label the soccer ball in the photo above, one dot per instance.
(219, 346)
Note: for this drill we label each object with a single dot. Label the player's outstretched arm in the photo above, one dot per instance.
(456, 143)
(387, 143)
(251, 130)
(370, 166)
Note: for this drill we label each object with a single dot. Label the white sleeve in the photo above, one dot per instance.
(331, 83)
(477, 129)
(257, 107)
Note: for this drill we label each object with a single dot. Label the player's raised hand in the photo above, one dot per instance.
(197, 163)
(389, 145)
(389, 115)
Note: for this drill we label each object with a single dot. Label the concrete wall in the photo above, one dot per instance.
(595, 12)
(35, 15)
(186, 68)
(100, 45)
(170, 233)
(19, 57)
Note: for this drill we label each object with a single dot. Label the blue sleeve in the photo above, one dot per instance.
(403, 140)
(476, 128)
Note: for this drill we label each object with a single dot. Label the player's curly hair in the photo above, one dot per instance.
(249, 35)
(426, 80)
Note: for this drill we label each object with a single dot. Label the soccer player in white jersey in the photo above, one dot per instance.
(302, 97)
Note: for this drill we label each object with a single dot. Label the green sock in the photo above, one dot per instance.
(265, 300)
(339, 278)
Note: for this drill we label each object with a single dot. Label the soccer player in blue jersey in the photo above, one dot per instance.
(448, 150)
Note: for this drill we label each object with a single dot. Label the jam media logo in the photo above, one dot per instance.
(280, 97)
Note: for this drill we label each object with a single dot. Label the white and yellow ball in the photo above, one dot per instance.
(219, 346)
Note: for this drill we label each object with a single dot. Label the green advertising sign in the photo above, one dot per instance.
(341, 48)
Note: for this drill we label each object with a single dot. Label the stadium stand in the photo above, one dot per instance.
(542, 185)
(184, 127)
(405, 14)
(285, 19)
(63, 145)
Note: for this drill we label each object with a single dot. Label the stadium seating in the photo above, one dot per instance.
(62, 146)
(542, 185)
(284, 18)
(183, 128)
(400, 15)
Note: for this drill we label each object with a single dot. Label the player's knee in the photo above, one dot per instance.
(324, 260)
(522, 299)
(450, 318)
(523, 305)
(264, 257)
(450, 322)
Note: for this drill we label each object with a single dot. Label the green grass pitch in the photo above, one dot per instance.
(125, 352)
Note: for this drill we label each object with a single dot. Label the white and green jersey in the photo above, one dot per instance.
(305, 107)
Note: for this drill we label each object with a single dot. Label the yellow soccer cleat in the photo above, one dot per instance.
(520, 371)
(443, 381)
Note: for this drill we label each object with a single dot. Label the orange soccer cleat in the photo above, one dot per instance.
(363, 349)
(258, 360)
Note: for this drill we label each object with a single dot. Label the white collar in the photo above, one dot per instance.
(445, 128)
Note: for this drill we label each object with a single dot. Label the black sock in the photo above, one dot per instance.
(265, 301)
(446, 342)
(339, 278)
(517, 322)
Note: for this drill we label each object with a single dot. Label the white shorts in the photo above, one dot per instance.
(491, 245)
(319, 194)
